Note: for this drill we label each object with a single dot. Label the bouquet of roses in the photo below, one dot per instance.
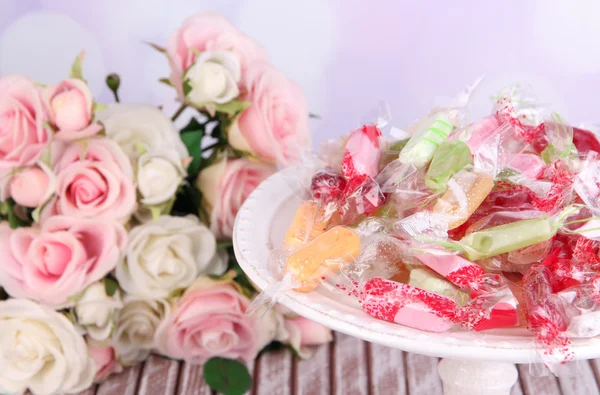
(116, 227)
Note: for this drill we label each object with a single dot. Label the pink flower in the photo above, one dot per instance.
(60, 259)
(225, 186)
(23, 136)
(70, 106)
(275, 126)
(302, 332)
(208, 32)
(93, 180)
(32, 186)
(209, 320)
(105, 360)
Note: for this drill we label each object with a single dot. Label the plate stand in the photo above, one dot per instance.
(463, 377)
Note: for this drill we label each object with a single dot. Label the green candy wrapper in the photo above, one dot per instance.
(516, 235)
(449, 158)
(421, 146)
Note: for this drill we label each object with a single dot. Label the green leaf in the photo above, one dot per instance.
(165, 81)
(157, 47)
(232, 107)
(187, 88)
(192, 136)
(227, 376)
(224, 244)
(110, 286)
(13, 220)
(77, 67)
(187, 201)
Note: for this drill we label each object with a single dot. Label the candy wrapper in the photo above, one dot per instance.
(459, 225)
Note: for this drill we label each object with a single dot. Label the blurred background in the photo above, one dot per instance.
(346, 54)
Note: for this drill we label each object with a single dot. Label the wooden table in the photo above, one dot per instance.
(347, 366)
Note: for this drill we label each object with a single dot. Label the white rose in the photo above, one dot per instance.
(270, 327)
(135, 126)
(213, 78)
(136, 324)
(95, 310)
(40, 350)
(158, 176)
(166, 255)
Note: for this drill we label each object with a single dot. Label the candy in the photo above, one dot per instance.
(466, 191)
(327, 185)
(420, 148)
(435, 230)
(327, 252)
(456, 269)
(448, 159)
(361, 156)
(307, 225)
(429, 281)
(407, 305)
(505, 238)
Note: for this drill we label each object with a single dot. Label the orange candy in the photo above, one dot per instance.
(327, 252)
(307, 225)
(476, 187)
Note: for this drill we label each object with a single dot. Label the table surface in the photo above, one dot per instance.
(347, 366)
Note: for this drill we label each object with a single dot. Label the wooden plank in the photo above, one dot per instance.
(387, 370)
(191, 381)
(273, 373)
(422, 375)
(350, 366)
(159, 376)
(124, 383)
(517, 389)
(312, 376)
(547, 385)
(577, 378)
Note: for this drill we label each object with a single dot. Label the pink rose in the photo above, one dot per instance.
(208, 321)
(93, 180)
(60, 259)
(105, 360)
(307, 332)
(31, 186)
(208, 32)
(23, 136)
(70, 106)
(302, 332)
(275, 126)
(225, 186)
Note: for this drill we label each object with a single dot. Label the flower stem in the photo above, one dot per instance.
(182, 107)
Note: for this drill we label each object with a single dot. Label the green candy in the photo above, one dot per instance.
(448, 159)
(505, 238)
(421, 146)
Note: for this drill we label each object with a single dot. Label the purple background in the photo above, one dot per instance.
(346, 54)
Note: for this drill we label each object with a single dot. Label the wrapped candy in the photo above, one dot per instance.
(407, 305)
(466, 191)
(361, 156)
(310, 263)
(449, 158)
(486, 225)
(419, 150)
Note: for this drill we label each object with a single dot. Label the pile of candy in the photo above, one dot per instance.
(486, 224)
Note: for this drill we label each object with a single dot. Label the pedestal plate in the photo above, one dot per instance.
(474, 362)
